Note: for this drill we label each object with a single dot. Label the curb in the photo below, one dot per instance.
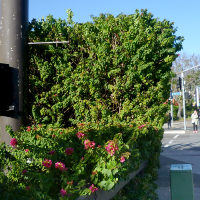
(174, 132)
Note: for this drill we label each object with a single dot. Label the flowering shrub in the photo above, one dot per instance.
(49, 165)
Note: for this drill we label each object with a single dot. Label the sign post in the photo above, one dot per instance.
(13, 34)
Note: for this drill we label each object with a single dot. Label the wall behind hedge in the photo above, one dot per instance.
(113, 68)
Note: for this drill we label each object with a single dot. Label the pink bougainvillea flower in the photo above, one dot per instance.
(70, 182)
(24, 171)
(63, 192)
(143, 125)
(28, 128)
(69, 151)
(89, 144)
(93, 188)
(13, 142)
(28, 188)
(60, 166)
(82, 158)
(80, 135)
(81, 124)
(47, 163)
(26, 150)
(94, 172)
(99, 146)
(52, 152)
(111, 147)
(92, 144)
(122, 159)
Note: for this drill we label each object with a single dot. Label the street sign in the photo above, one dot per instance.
(176, 93)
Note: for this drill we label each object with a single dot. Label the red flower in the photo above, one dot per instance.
(28, 128)
(94, 172)
(47, 163)
(26, 150)
(13, 142)
(111, 147)
(69, 151)
(70, 182)
(24, 171)
(60, 166)
(28, 188)
(80, 135)
(143, 125)
(122, 159)
(52, 152)
(81, 124)
(63, 192)
(93, 188)
(89, 144)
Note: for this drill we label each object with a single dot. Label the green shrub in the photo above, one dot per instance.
(112, 68)
(92, 155)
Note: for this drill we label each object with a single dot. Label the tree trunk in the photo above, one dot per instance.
(180, 107)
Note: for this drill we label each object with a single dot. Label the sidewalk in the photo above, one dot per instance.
(178, 127)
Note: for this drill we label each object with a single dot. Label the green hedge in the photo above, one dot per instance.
(114, 68)
(99, 100)
(92, 155)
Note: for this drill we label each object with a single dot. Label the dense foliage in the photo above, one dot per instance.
(46, 161)
(142, 187)
(100, 99)
(111, 69)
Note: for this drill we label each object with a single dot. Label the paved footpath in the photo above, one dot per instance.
(179, 148)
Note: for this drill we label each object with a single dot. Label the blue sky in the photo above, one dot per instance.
(185, 14)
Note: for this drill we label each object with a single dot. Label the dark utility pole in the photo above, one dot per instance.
(13, 40)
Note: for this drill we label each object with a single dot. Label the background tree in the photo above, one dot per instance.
(191, 78)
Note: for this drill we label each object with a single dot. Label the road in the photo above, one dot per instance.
(179, 148)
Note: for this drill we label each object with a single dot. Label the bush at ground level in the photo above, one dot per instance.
(51, 163)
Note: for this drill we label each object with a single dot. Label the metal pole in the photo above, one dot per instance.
(183, 91)
(172, 112)
(171, 97)
(197, 96)
(13, 34)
